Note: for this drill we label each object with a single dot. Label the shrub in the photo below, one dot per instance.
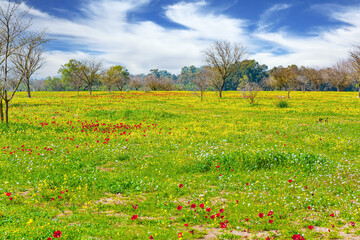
(282, 104)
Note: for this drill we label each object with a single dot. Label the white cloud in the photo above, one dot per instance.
(322, 50)
(139, 45)
(267, 19)
(104, 28)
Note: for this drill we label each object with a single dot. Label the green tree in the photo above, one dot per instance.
(116, 76)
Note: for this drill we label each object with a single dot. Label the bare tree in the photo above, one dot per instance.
(222, 57)
(339, 75)
(28, 59)
(136, 82)
(355, 62)
(251, 91)
(201, 79)
(314, 76)
(13, 28)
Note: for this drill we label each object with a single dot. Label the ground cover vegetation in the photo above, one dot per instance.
(166, 165)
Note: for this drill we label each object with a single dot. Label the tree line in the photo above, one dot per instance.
(224, 70)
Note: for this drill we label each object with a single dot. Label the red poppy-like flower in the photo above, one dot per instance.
(310, 227)
(306, 187)
(208, 209)
(352, 223)
(192, 231)
(49, 238)
(202, 205)
(179, 207)
(11, 198)
(247, 184)
(61, 192)
(134, 217)
(8, 194)
(52, 199)
(151, 237)
(270, 213)
(223, 225)
(212, 216)
(290, 180)
(271, 221)
(59, 197)
(332, 215)
(217, 166)
(261, 215)
(298, 237)
(57, 234)
(134, 207)
(180, 235)
(246, 219)
(186, 224)
(193, 205)
(309, 207)
(221, 210)
(181, 185)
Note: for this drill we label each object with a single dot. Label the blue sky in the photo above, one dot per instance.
(146, 34)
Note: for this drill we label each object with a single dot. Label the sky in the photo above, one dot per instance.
(170, 34)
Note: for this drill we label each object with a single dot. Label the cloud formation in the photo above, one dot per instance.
(103, 28)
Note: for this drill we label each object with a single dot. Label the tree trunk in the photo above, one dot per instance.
(202, 94)
(1, 110)
(6, 111)
(289, 94)
(28, 88)
(359, 90)
(90, 88)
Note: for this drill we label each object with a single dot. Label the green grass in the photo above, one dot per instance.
(104, 153)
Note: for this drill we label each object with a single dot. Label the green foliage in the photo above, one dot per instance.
(282, 104)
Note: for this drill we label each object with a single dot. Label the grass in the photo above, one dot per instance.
(81, 164)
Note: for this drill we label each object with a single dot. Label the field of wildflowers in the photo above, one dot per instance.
(165, 165)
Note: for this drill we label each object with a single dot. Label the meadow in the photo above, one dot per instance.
(166, 165)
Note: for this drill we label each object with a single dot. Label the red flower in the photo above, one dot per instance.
(298, 237)
(151, 237)
(134, 217)
(332, 215)
(57, 234)
(290, 181)
(186, 224)
(202, 205)
(261, 215)
(193, 205)
(181, 185)
(352, 223)
(270, 213)
(208, 209)
(52, 199)
(192, 231)
(59, 197)
(180, 235)
(246, 219)
(217, 166)
(49, 238)
(134, 207)
(11, 198)
(309, 207)
(8, 194)
(223, 225)
(212, 216)
(247, 184)
(271, 221)
(221, 210)
(179, 207)
(306, 187)
(310, 227)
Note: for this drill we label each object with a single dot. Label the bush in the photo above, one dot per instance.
(282, 104)
(250, 92)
